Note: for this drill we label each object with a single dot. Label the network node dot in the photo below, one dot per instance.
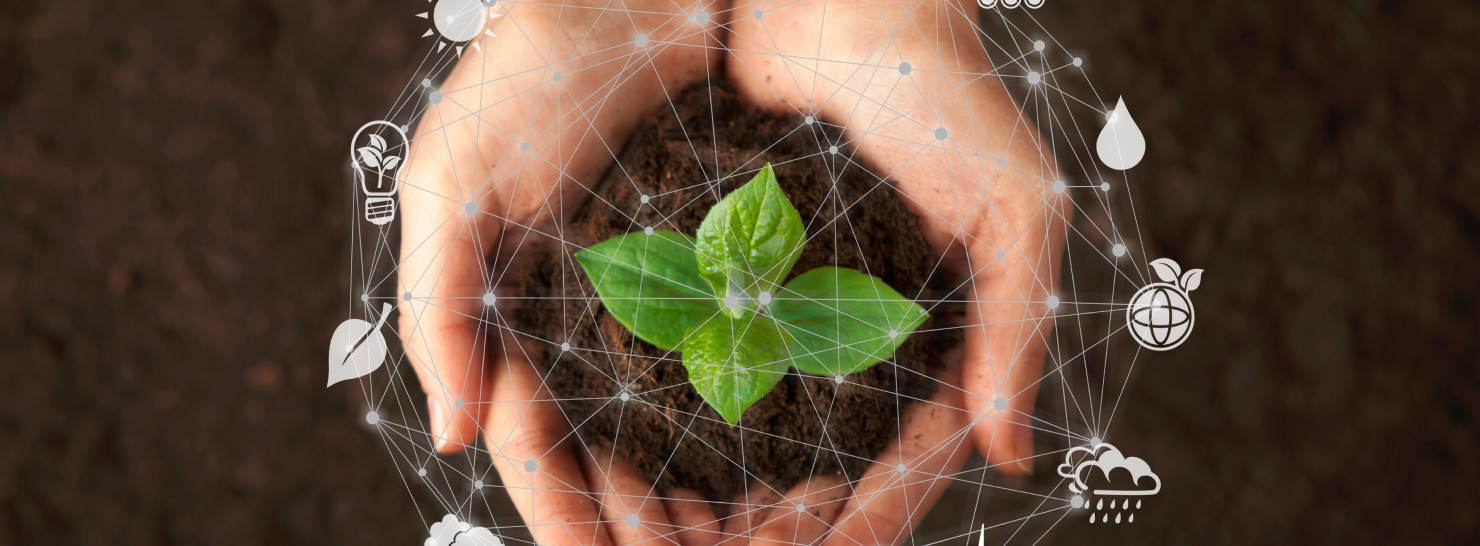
(489, 298)
(364, 297)
(940, 134)
(524, 146)
(801, 507)
(893, 334)
(1000, 403)
(904, 69)
(832, 149)
(758, 14)
(434, 97)
(471, 208)
(644, 199)
(1001, 254)
(810, 120)
(477, 484)
(407, 296)
(564, 347)
(1002, 162)
(1094, 441)
(458, 404)
(1104, 186)
(1076, 501)
(556, 77)
(625, 396)
(703, 17)
(692, 18)
(838, 379)
(901, 467)
(1058, 187)
(765, 298)
(1053, 302)
(647, 230)
(732, 302)
(372, 418)
(427, 83)
(1118, 250)
(641, 40)
(1039, 45)
(421, 472)
(1033, 77)
(1078, 61)
(633, 520)
(531, 465)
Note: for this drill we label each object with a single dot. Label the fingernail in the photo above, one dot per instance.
(436, 425)
(1025, 448)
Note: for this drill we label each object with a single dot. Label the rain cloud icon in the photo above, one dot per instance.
(1103, 471)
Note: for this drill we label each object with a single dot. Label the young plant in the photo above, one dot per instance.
(718, 299)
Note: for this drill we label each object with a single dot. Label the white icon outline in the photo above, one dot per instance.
(380, 204)
(1152, 297)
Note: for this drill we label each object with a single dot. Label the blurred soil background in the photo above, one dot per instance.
(173, 258)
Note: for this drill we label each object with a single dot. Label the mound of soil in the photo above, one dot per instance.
(807, 424)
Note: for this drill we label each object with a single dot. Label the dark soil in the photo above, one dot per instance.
(807, 424)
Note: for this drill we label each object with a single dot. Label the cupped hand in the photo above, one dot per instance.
(495, 160)
(944, 131)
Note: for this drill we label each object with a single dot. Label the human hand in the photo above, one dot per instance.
(937, 134)
(494, 161)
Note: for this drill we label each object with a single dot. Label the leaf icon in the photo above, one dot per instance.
(377, 142)
(391, 162)
(370, 157)
(1191, 280)
(1167, 269)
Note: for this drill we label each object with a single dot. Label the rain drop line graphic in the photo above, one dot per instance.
(1121, 144)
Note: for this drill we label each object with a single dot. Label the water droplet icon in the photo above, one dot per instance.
(1138, 505)
(1117, 518)
(1132, 519)
(1091, 517)
(1121, 145)
(1101, 505)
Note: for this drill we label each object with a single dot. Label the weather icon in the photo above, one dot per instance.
(458, 21)
(1118, 478)
(453, 532)
(377, 153)
(357, 348)
(1160, 315)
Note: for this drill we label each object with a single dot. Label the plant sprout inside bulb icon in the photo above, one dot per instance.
(377, 153)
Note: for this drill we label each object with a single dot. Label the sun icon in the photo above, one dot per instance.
(459, 21)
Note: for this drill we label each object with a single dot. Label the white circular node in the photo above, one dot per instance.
(1118, 250)
(810, 120)
(564, 347)
(692, 18)
(1053, 302)
(641, 40)
(765, 298)
(459, 20)
(471, 208)
(832, 149)
(1001, 254)
(458, 404)
(1077, 501)
(531, 465)
(647, 231)
(940, 134)
(406, 129)
(1001, 161)
(900, 468)
(349, 348)
(758, 14)
(1058, 187)
(372, 418)
(556, 77)
(524, 146)
(1038, 45)
(407, 296)
(427, 83)
(644, 199)
(905, 68)
(632, 520)
(434, 97)
(1000, 403)
(1078, 61)
(364, 297)
(477, 484)
(732, 302)
(489, 298)
(1104, 186)
(702, 17)
(801, 507)
(1033, 77)
(838, 379)
(893, 334)
(625, 396)
(421, 472)
(1094, 441)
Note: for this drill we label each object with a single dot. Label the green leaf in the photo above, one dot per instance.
(749, 241)
(734, 361)
(651, 284)
(841, 320)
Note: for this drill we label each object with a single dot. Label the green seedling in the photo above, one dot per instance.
(717, 298)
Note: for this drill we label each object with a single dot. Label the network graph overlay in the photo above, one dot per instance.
(981, 121)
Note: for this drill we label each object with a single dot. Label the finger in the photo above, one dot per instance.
(692, 516)
(630, 507)
(748, 511)
(531, 446)
(887, 503)
(805, 515)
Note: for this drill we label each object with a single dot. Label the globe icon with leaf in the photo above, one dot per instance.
(1160, 315)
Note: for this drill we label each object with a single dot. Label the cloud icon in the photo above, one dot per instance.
(477, 536)
(1106, 458)
(445, 532)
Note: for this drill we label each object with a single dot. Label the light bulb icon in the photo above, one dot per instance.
(377, 153)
